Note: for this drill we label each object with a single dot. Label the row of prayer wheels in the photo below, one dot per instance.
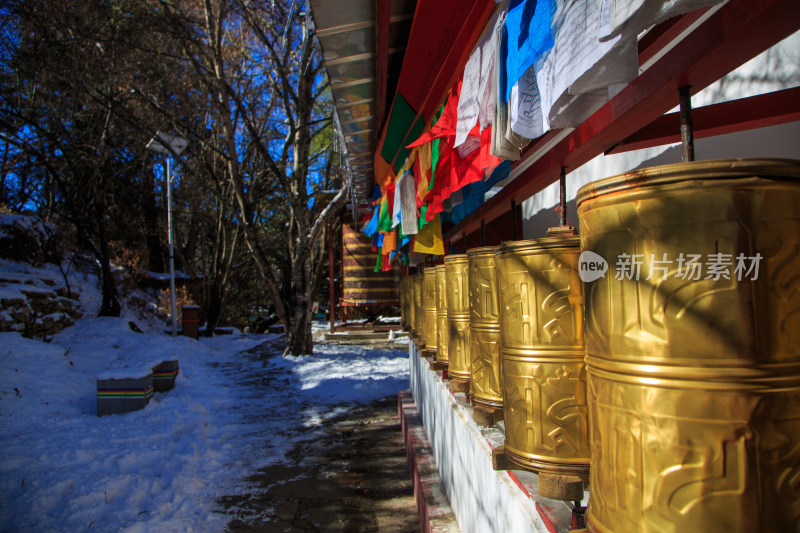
(661, 348)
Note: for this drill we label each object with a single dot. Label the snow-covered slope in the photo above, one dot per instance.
(162, 468)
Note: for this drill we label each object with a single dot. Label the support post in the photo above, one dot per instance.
(687, 128)
(331, 300)
(514, 218)
(563, 229)
(562, 183)
(171, 251)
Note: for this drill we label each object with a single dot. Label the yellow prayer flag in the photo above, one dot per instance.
(429, 239)
(424, 157)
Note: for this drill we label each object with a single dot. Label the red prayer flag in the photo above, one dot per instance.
(446, 125)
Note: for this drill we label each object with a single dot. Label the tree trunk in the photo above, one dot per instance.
(110, 305)
(298, 338)
(156, 257)
(213, 310)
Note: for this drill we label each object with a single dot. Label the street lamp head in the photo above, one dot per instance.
(165, 143)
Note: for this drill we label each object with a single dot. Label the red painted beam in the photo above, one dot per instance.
(770, 109)
(739, 31)
(382, 33)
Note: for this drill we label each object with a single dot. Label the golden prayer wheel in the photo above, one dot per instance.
(693, 347)
(408, 293)
(486, 385)
(409, 296)
(403, 302)
(441, 315)
(429, 307)
(419, 314)
(458, 346)
(542, 353)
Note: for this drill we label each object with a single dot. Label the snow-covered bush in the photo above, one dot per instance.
(28, 239)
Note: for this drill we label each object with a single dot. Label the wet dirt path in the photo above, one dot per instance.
(351, 477)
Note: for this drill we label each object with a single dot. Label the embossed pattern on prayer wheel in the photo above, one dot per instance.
(419, 314)
(486, 385)
(693, 347)
(441, 314)
(457, 269)
(542, 353)
(429, 307)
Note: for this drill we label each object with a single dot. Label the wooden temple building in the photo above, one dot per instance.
(589, 216)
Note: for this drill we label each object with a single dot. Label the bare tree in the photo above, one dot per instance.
(88, 84)
(271, 98)
(65, 112)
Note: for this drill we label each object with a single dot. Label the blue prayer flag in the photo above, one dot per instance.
(372, 226)
(526, 36)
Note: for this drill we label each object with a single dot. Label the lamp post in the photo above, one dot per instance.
(168, 145)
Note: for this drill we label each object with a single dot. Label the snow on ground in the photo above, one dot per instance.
(164, 467)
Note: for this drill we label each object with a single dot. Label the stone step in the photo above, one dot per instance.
(435, 513)
(358, 335)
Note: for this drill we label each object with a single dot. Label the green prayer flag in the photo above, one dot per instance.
(384, 218)
(435, 147)
(422, 211)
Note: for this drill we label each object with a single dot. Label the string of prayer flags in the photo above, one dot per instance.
(538, 65)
